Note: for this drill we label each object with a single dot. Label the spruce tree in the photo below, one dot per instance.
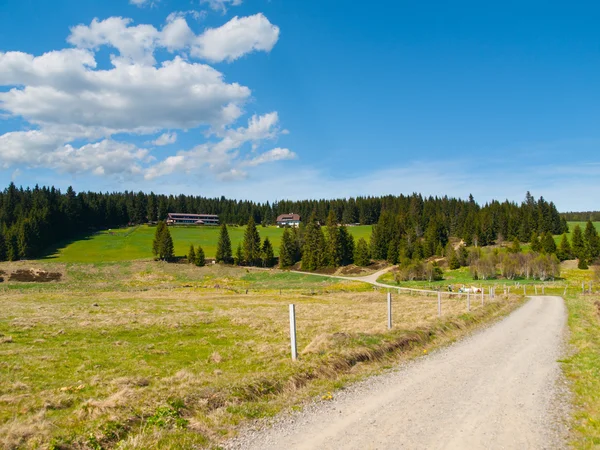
(577, 243)
(334, 245)
(346, 245)
(267, 254)
(313, 251)
(200, 260)
(251, 245)
(548, 244)
(224, 254)
(515, 247)
(452, 257)
(592, 241)
(2, 245)
(564, 248)
(239, 256)
(287, 250)
(157, 239)
(361, 253)
(167, 249)
(191, 256)
(536, 245)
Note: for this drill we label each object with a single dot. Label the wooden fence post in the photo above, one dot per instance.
(543, 290)
(439, 304)
(293, 332)
(389, 309)
(469, 301)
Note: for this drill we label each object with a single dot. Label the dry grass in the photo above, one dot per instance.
(148, 355)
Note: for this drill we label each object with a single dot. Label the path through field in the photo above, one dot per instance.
(496, 389)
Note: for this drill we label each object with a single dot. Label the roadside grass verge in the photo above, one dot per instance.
(582, 369)
(149, 355)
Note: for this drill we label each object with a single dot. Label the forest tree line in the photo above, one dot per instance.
(32, 220)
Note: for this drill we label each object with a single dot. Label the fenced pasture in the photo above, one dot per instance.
(147, 355)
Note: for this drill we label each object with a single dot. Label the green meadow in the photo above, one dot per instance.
(128, 244)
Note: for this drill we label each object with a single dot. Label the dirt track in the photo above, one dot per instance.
(495, 389)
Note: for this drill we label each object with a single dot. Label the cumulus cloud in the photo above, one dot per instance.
(137, 43)
(132, 98)
(221, 5)
(223, 158)
(142, 3)
(73, 110)
(236, 38)
(165, 139)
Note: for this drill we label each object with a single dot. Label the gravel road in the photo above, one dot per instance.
(499, 388)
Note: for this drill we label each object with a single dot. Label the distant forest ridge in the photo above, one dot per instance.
(582, 216)
(31, 220)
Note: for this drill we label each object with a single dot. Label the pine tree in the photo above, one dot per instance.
(564, 248)
(536, 245)
(334, 245)
(592, 241)
(548, 244)
(224, 247)
(515, 247)
(577, 243)
(239, 256)
(2, 245)
(287, 250)
(267, 254)
(347, 245)
(200, 260)
(191, 256)
(251, 245)
(313, 251)
(452, 257)
(162, 245)
(361, 253)
(167, 249)
(157, 237)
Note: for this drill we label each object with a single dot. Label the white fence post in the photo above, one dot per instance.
(293, 332)
(524, 290)
(439, 304)
(469, 301)
(482, 295)
(543, 290)
(389, 309)
(535, 289)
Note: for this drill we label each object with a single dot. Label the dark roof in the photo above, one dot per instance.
(288, 217)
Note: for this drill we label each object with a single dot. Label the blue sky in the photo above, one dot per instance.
(278, 99)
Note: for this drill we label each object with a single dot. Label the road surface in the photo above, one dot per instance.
(499, 388)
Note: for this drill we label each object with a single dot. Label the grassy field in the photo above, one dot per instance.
(583, 369)
(144, 355)
(136, 243)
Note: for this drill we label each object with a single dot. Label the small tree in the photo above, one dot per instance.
(564, 248)
(224, 247)
(252, 246)
(239, 256)
(548, 244)
(515, 247)
(536, 245)
(287, 250)
(162, 245)
(267, 255)
(191, 256)
(200, 260)
(361, 253)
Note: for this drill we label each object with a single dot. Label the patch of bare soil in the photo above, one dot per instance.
(34, 276)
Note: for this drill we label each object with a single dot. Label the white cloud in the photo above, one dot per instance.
(236, 38)
(142, 3)
(130, 98)
(73, 109)
(137, 44)
(221, 5)
(165, 139)
(277, 154)
(223, 158)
